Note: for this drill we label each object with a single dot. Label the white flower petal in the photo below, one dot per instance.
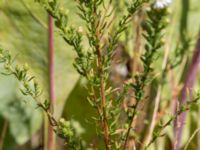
(160, 4)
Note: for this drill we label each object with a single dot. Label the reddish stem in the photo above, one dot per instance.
(51, 79)
(188, 85)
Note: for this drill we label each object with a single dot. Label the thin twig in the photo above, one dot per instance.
(130, 125)
(190, 139)
(153, 120)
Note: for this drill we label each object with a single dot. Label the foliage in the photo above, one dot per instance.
(93, 62)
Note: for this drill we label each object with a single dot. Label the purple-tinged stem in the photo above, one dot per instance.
(51, 79)
(187, 89)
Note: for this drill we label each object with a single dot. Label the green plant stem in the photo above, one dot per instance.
(130, 125)
(191, 138)
(184, 19)
(155, 111)
(3, 134)
(45, 133)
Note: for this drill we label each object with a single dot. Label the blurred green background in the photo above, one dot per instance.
(23, 31)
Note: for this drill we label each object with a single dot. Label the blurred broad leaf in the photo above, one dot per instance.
(27, 39)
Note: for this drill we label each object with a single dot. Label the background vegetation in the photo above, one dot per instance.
(24, 31)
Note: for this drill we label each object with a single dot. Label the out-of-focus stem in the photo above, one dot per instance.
(157, 99)
(51, 139)
(187, 89)
(3, 134)
(153, 120)
(184, 19)
(198, 135)
(191, 138)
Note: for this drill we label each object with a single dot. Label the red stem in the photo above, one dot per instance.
(188, 85)
(51, 79)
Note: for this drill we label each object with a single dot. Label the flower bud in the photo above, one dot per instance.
(7, 66)
(26, 67)
(61, 121)
(162, 41)
(80, 29)
(62, 11)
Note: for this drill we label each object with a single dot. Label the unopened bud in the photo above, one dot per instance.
(62, 11)
(162, 41)
(62, 120)
(80, 29)
(7, 66)
(26, 67)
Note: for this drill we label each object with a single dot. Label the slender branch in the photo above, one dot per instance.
(102, 94)
(190, 139)
(152, 35)
(105, 122)
(153, 120)
(130, 125)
